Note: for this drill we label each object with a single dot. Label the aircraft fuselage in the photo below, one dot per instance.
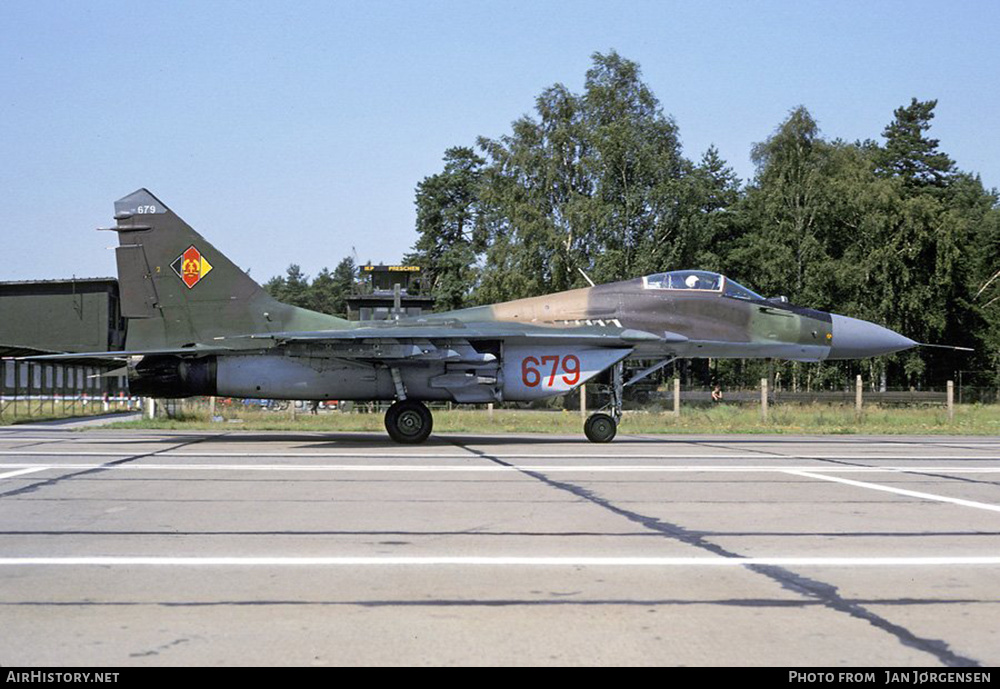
(692, 323)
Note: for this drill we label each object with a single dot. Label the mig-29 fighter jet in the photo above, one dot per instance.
(199, 325)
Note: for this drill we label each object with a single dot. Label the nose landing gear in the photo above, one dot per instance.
(602, 427)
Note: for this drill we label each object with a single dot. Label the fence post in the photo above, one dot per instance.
(677, 396)
(763, 399)
(951, 400)
(858, 396)
(17, 387)
(583, 401)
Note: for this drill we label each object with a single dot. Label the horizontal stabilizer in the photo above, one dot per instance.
(113, 373)
(198, 350)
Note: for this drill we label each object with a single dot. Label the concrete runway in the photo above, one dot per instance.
(237, 548)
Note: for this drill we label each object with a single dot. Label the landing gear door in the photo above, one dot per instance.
(536, 372)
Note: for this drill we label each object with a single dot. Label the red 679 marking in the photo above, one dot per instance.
(535, 372)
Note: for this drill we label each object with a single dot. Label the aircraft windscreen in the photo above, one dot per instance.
(685, 279)
(735, 289)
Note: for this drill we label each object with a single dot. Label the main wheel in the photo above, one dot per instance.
(409, 421)
(600, 428)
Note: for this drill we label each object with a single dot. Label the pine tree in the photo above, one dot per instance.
(908, 153)
(447, 217)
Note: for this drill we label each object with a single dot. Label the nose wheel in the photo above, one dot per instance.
(601, 427)
(409, 422)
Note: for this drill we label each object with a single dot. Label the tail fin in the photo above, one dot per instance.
(178, 290)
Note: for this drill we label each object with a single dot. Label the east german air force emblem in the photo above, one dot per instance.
(191, 266)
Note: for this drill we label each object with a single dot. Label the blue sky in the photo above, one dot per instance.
(292, 132)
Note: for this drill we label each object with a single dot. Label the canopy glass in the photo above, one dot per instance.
(700, 280)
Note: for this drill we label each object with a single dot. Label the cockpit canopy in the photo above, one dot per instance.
(698, 280)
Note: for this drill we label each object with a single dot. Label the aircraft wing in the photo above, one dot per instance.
(420, 340)
(403, 343)
(472, 361)
(481, 330)
(467, 359)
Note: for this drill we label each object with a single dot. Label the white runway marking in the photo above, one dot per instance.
(514, 468)
(582, 561)
(22, 472)
(468, 455)
(898, 491)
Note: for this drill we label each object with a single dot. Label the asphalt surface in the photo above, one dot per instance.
(237, 548)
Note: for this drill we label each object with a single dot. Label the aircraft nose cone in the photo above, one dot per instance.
(856, 339)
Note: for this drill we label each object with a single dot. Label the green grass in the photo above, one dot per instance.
(787, 419)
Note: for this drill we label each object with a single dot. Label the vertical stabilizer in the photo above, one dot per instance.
(179, 290)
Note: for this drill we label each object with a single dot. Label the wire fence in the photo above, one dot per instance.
(35, 390)
(660, 399)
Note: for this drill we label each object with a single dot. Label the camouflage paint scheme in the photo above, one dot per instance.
(710, 323)
(199, 325)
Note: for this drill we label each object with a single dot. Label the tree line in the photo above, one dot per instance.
(888, 230)
(326, 293)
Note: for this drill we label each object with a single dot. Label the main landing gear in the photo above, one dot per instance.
(603, 426)
(409, 421)
(600, 428)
